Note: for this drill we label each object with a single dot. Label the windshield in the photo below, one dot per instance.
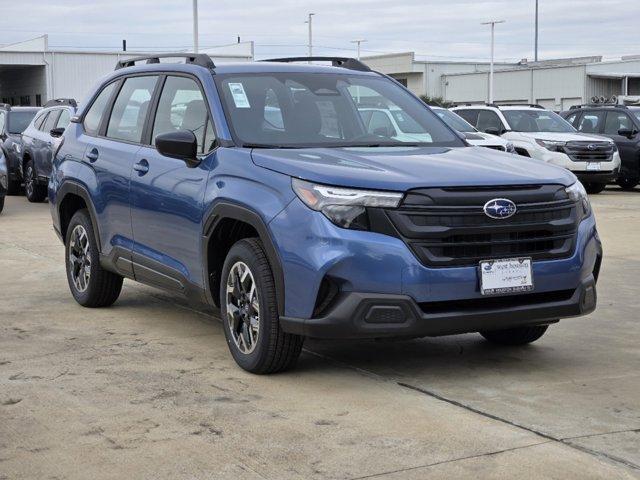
(636, 113)
(455, 121)
(537, 121)
(19, 121)
(298, 110)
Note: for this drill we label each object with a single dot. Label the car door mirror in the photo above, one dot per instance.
(182, 145)
(493, 131)
(56, 132)
(627, 132)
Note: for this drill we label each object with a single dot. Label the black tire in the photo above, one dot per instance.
(14, 187)
(35, 192)
(103, 287)
(594, 188)
(273, 350)
(628, 182)
(515, 336)
(1, 204)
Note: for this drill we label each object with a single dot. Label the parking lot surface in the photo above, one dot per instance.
(147, 389)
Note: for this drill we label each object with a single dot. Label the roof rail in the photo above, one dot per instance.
(61, 101)
(344, 62)
(596, 105)
(200, 59)
(532, 105)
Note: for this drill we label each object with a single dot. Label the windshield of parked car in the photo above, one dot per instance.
(455, 121)
(636, 113)
(298, 110)
(19, 121)
(537, 121)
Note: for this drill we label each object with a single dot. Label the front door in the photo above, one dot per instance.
(167, 195)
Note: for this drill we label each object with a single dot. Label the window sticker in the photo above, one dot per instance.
(239, 97)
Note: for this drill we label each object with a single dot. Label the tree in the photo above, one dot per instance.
(436, 101)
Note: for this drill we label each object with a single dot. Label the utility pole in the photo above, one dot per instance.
(358, 42)
(310, 35)
(493, 27)
(536, 47)
(195, 26)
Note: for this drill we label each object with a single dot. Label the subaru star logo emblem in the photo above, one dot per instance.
(592, 146)
(499, 208)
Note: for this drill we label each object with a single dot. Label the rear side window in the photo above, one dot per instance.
(39, 121)
(94, 115)
(130, 109)
(63, 119)
(470, 116)
(50, 122)
(182, 107)
(590, 121)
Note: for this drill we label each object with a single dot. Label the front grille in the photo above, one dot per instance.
(589, 151)
(495, 147)
(448, 227)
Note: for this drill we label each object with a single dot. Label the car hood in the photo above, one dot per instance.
(403, 168)
(480, 138)
(564, 137)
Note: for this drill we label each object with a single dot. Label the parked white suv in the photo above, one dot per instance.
(544, 135)
(472, 134)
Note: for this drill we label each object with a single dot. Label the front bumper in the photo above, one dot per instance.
(597, 177)
(560, 159)
(367, 315)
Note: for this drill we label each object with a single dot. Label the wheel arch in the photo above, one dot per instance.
(220, 216)
(70, 198)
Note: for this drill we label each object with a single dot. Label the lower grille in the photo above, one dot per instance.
(448, 227)
(589, 151)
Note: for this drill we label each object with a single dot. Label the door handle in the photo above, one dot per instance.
(141, 167)
(92, 155)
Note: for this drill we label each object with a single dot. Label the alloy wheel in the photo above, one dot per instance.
(28, 181)
(80, 258)
(243, 308)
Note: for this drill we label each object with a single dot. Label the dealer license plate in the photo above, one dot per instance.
(505, 276)
(593, 166)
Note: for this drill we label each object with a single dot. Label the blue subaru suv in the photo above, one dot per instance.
(257, 188)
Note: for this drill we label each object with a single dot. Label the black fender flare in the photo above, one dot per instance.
(225, 209)
(74, 188)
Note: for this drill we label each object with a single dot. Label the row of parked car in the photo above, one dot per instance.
(29, 137)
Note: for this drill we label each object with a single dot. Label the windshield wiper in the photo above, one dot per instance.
(267, 145)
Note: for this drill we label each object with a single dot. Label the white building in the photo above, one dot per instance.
(31, 73)
(423, 77)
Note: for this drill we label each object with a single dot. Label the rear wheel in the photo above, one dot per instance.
(1, 204)
(14, 187)
(594, 188)
(628, 182)
(90, 284)
(515, 336)
(249, 312)
(35, 191)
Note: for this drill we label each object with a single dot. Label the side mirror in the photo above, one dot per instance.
(627, 132)
(182, 145)
(56, 132)
(493, 131)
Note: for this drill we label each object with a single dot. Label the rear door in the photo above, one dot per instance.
(167, 195)
(46, 144)
(616, 120)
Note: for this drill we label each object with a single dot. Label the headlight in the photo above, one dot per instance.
(510, 148)
(346, 207)
(552, 145)
(578, 194)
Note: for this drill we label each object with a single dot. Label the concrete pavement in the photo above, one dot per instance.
(147, 388)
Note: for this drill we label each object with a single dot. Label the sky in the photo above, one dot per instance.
(433, 29)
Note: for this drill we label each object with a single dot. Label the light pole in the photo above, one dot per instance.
(310, 35)
(195, 26)
(536, 47)
(358, 42)
(493, 27)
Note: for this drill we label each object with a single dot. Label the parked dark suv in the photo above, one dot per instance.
(40, 141)
(257, 187)
(621, 124)
(13, 121)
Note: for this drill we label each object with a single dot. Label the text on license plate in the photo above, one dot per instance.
(593, 166)
(505, 276)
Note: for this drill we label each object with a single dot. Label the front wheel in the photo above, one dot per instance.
(14, 187)
(249, 312)
(515, 336)
(90, 284)
(628, 182)
(35, 192)
(594, 188)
